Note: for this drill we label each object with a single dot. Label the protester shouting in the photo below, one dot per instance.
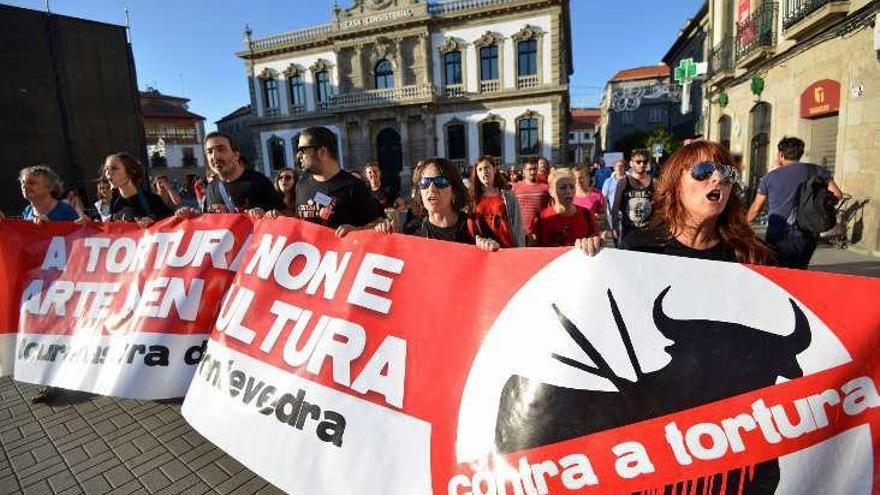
(285, 185)
(496, 210)
(162, 187)
(562, 222)
(39, 184)
(442, 202)
(386, 197)
(105, 198)
(132, 203)
(327, 194)
(698, 211)
(543, 170)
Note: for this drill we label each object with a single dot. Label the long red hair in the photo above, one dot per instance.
(669, 211)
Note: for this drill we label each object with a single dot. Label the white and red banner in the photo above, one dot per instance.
(401, 366)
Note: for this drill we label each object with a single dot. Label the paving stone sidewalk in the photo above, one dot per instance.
(94, 445)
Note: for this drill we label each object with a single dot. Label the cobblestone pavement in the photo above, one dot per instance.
(86, 444)
(92, 445)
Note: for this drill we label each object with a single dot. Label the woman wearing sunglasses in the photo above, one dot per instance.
(496, 209)
(285, 184)
(698, 211)
(442, 201)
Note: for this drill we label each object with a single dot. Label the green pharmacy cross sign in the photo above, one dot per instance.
(684, 74)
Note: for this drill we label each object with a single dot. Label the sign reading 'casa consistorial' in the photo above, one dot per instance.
(376, 18)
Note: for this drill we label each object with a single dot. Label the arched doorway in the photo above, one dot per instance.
(390, 155)
(760, 143)
(277, 158)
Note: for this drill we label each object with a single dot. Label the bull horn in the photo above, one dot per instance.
(800, 339)
(660, 319)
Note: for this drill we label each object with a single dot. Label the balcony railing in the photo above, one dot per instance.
(523, 159)
(798, 10)
(171, 135)
(271, 112)
(461, 163)
(297, 110)
(525, 82)
(292, 37)
(757, 32)
(490, 86)
(378, 97)
(722, 57)
(458, 5)
(453, 90)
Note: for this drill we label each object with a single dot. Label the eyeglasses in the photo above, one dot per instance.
(439, 181)
(703, 170)
(303, 149)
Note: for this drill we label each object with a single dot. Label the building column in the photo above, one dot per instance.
(398, 55)
(403, 125)
(426, 65)
(357, 68)
(366, 146)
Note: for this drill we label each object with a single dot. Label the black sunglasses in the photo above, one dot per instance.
(640, 161)
(703, 170)
(439, 181)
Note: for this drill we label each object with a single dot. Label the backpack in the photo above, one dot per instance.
(815, 203)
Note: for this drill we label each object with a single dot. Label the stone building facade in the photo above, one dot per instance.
(237, 125)
(808, 69)
(174, 136)
(582, 135)
(403, 80)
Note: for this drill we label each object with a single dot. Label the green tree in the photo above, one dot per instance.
(671, 143)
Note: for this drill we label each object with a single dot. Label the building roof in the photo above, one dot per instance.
(244, 111)
(690, 29)
(638, 73)
(158, 106)
(585, 118)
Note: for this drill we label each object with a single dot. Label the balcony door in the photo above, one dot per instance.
(390, 154)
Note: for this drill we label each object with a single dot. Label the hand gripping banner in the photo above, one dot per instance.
(404, 366)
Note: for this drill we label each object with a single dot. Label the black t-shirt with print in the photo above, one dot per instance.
(460, 232)
(344, 199)
(658, 241)
(635, 204)
(250, 190)
(143, 204)
(385, 196)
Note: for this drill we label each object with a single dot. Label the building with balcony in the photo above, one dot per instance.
(582, 135)
(237, 125)
(805, 68)
(403, 80)
(174, 136)
(636, 101)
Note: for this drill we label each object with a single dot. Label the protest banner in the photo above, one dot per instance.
(401, 365)
(113, 309)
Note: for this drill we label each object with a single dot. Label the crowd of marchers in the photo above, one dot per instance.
(693, 205)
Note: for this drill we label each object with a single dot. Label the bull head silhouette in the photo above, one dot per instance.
(710, 360)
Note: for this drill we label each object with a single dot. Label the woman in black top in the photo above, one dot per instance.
(285, 184)
(132, 203)
(442, 201)
(698, 210)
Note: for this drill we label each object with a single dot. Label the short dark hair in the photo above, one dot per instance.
(322, 137)
(232, 144)
(791, 148)
(639, 152)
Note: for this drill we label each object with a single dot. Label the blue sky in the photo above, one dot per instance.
(187, 47)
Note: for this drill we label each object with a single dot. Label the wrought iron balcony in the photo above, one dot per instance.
(798, 10)
(758, 32)
(721, 61)
(526, 82)
(381, 97)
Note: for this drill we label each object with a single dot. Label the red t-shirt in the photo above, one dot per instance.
(491, 214)
(531, 198)
(555, 230)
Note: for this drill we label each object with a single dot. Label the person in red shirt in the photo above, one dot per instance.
(532, 197)
(543, 170)
(496, 210)
(563, 223)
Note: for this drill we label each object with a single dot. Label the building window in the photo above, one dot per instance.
(489, 63)
(270, 94)
(297, 91)
(626, 118)
(572, 137)
(322, 86)
(384, 75)
(527, 133)
(189, 157)
(492, 140)
(456, 142)
(527, 58)
(452, 62)
(655, 115)
(277, 157)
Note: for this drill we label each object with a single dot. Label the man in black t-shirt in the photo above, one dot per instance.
(236, 189)
(632, 204)
(328, 195)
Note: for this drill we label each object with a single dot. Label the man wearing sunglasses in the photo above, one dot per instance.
(779, 190)
(632, 206)
(327, 194)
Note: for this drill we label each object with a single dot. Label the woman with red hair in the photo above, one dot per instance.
(698, 210)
